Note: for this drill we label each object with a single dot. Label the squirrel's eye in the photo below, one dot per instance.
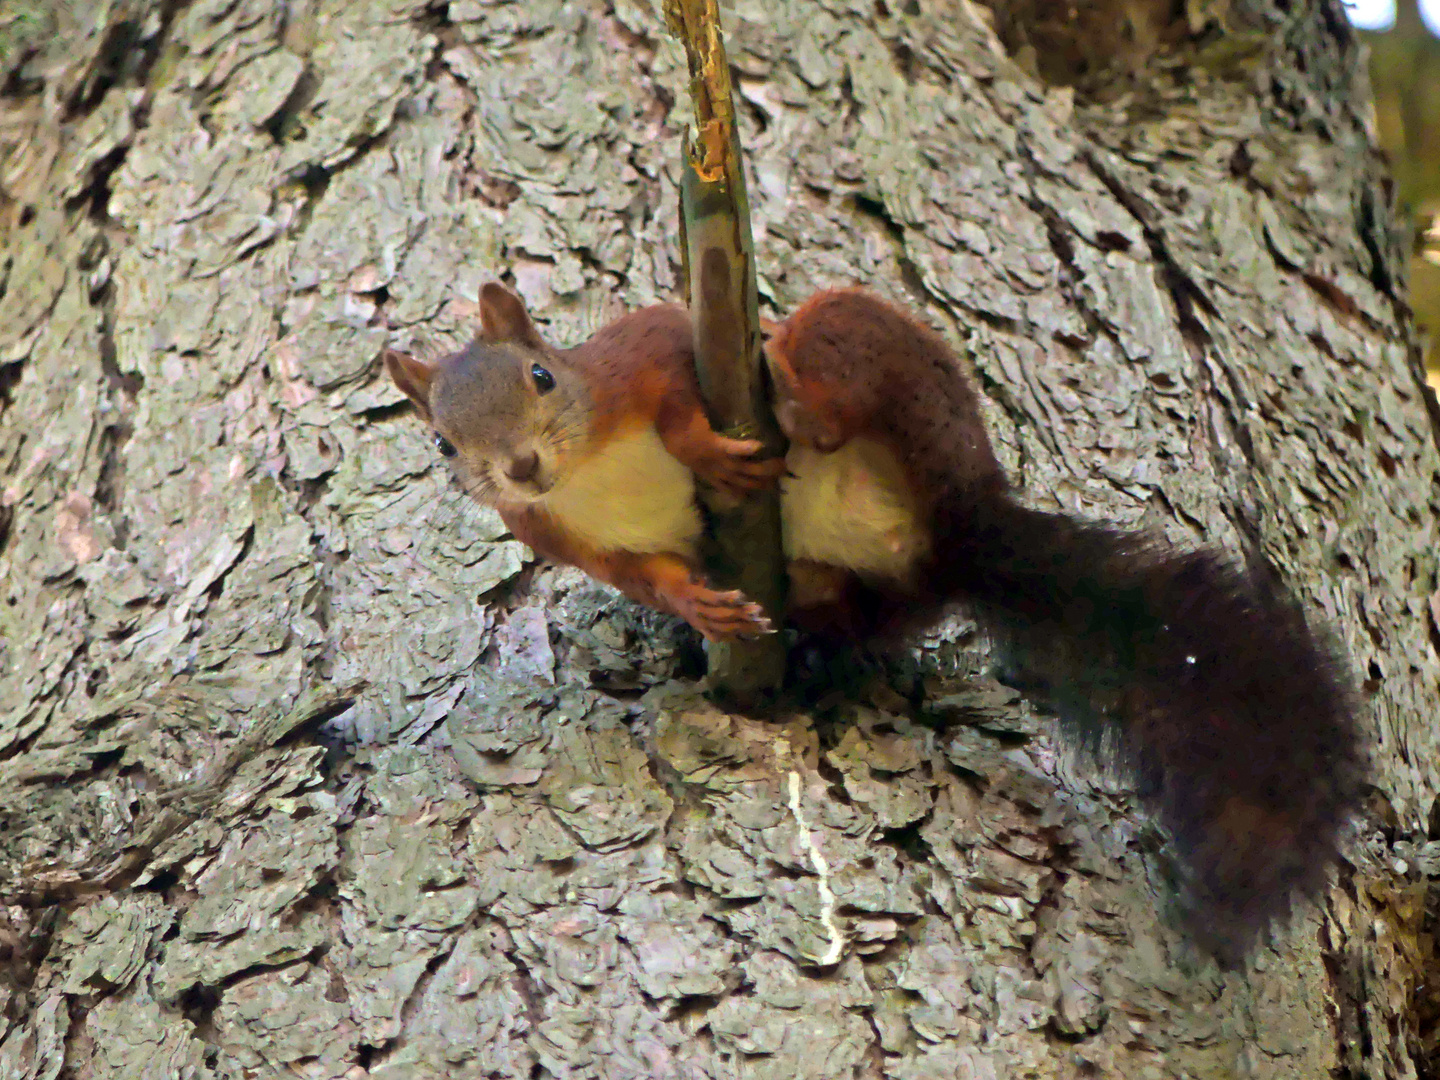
(445, 446)
(544, 381)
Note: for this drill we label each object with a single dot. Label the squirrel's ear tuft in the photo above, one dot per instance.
(503, 317)
(413, 376)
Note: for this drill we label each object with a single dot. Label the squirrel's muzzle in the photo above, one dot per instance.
(523, 467)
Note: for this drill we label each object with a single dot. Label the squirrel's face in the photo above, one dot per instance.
(508, 412)
(509, 419)
(804, 418)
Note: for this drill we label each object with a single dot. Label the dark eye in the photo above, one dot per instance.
(445, 446)
(544, 381)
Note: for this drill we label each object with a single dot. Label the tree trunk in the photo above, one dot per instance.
(306, 770)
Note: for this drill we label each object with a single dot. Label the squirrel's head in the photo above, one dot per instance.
(806, 412)
(508, 411)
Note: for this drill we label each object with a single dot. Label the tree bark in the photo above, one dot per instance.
(305, 769)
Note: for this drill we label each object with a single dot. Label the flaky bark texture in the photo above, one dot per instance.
(223, 542)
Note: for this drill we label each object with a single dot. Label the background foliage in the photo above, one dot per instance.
(1405, 70)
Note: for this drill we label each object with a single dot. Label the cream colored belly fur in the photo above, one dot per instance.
(853, 508)
(632, 496)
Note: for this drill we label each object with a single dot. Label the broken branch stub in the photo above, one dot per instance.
(720, 279)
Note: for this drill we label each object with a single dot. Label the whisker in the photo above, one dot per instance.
(443, 537)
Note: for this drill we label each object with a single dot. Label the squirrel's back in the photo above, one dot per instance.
(884, 373)
(634, 362)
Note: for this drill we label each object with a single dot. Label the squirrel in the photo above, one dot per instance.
(1237, 718)
(588, 453)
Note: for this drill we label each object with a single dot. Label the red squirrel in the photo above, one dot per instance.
(1238, 719)
(588, 453)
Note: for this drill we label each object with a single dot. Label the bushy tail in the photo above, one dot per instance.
(1237, 718)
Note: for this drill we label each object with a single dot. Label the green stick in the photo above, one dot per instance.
(720, 277)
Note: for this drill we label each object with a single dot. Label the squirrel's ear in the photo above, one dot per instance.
(413, 376)
(503, 317)
(773, 353)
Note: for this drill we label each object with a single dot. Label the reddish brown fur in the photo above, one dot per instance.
(866, 367)
(1237, 718)
(641, 370)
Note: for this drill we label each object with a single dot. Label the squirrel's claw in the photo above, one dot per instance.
(722, 616)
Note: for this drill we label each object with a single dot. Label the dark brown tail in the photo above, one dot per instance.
(1238, 719)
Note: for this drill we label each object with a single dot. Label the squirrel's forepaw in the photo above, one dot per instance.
(734, 469)
(721, 616)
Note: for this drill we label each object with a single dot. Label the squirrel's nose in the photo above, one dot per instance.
(523, 467)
